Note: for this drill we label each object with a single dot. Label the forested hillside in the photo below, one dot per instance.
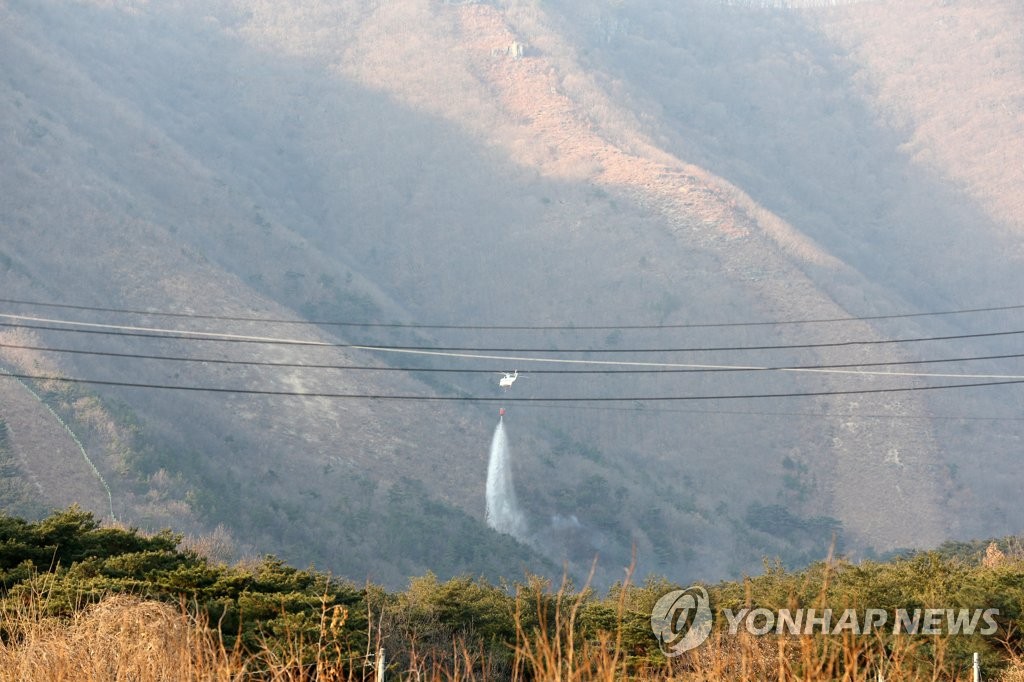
(598, 182)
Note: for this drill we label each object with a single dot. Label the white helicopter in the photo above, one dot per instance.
(508, 379)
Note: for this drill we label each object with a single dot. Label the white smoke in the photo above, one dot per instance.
(503, 514)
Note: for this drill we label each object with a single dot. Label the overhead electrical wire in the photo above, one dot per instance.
(763, 413)
(634, 367)
(414, 325)
(649, 366)
(163, 333)
(677, 365)
(132, 330)
(505, 399)
(657, 411)
(667, 370)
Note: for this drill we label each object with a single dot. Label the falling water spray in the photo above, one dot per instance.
(503, 514)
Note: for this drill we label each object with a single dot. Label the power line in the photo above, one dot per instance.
(479, 399)
(430, 351)
(762, 413)
(180, 334)
(542, 403)
(415, 325)
(667, 370)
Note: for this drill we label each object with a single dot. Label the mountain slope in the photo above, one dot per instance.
(503, 164)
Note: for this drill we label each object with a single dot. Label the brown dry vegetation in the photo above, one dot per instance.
(946, 73)
(124, 639)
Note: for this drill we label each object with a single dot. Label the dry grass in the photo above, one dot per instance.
(1014, 673)
(124, 638)
(849, 658)
(556, 653)
(120, 638)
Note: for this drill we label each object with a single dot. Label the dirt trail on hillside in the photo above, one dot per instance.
(46, 454)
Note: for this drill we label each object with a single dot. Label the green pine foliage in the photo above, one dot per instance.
(73, 561)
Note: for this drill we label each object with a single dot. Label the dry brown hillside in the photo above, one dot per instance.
(949, 74)
(560, 165)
